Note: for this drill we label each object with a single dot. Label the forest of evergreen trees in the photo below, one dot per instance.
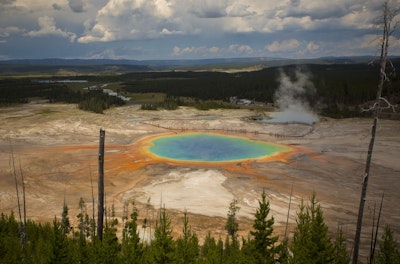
(339, 91)
(339, 88)
(16, 91)
(59, 242)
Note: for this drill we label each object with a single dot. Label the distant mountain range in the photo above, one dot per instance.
(56, 65)
(82, 62)
(87, 62)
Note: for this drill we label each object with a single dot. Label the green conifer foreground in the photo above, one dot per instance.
(388, 249)
(266, 250)
(311, 243)
(54, 243)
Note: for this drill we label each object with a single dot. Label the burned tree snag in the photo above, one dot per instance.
(100, 209)
(389, 26)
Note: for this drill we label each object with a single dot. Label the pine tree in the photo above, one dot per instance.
(211, 251)
(79, 244)
(284, 252)
(109, 245)
(65, 224)
(264, 242)
(10, 244)
(248, 250)
(163, 245)
(60, 247)
(40, 243)
(311, 243)
(83, 220)
(388, 248)
(340, 254)
(187, 246)
(232, 247)
(131, 247)
(232, 226)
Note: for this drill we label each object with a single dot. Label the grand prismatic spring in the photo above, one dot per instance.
(192, 148)
(210, 147)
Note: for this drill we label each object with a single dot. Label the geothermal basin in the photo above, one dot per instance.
(59, 160)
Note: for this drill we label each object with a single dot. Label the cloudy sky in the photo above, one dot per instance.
(189, 29)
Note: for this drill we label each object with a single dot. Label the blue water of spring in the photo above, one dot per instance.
(209, 147)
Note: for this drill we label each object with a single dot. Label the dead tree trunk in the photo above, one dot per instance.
(388, 29)
(24, 205)
(12, 166)
(93, 222)
(100, 209)
(288, 212)
(376, 231)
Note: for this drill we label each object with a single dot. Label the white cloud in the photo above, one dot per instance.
(312, 47)
(239, 25)
(203, 51)
(394, 48)
(284, 45)
(127, 19)
(369, 41)
(177, 51)
(316, 10)
(239, 10)
(166, 31)
(26, 14)
(294, 48)
(240, 49)
(354, 46)
(370, 44)
(7, 31)
(214, 50)
(291, 27)
(48, 27)
(208, 8)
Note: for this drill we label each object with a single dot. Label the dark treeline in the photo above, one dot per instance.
(22, 90)
(206, 85)
(339, 89)
(59, 242)
(97, 101)
(171, 103)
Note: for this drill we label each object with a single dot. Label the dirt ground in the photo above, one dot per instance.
(55, 147)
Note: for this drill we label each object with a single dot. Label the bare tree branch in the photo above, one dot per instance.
(378, 104)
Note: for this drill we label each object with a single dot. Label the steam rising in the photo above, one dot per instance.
(291, 100)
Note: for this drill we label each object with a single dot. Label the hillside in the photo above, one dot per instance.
(60, 66)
